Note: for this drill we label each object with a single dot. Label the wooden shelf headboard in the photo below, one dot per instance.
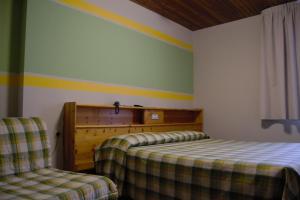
(87, 126)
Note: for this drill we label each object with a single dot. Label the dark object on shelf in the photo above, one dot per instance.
(138, 106)
(117, 107)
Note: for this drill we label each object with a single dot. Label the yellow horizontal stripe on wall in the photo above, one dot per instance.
(4, 79)
(59, 83)
(98, 11)
(10, 80)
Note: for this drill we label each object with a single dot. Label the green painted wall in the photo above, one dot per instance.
(12, 13)
(5, 23)
(11, 35)
(65, 42)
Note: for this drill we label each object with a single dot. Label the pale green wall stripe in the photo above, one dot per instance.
(96, 10)
(65, 42)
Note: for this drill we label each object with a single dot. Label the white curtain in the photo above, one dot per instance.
(280, 75)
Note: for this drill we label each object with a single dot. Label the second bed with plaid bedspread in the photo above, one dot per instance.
(171, 166)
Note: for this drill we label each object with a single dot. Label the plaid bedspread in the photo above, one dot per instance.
(110, 157)
(54, 184)
(201, 169)
(24, 145)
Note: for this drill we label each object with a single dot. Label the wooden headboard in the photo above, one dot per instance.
(87, 126)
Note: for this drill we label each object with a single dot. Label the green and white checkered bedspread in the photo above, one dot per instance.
(200, 169)
(54, 184)
(24, 145)
(25, 167)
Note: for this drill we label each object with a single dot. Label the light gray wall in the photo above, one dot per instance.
(226, 83)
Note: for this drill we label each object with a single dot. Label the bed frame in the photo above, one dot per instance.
(87, 126)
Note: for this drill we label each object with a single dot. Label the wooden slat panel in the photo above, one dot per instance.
(87, 126)
(69, 129)
(90, 115)
(86, 164)
(174, 116)
(87, 139)
(197, 14)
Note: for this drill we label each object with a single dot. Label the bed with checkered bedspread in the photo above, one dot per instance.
(25, 167)
(189, 165)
